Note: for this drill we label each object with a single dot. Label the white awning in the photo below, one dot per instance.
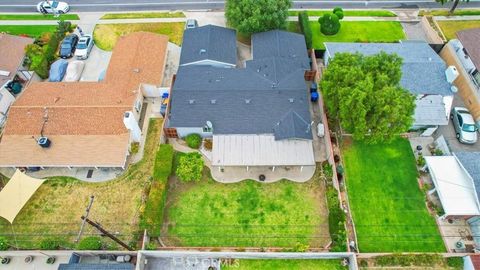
(260, 150)
(454, 186)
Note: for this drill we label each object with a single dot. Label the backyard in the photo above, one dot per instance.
(321, 264)
(356, 31)
(106, 35)
(387, 205)
(449, 28)
(27, 30)
(246, 214)
(55, 209)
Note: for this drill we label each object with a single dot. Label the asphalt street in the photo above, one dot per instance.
(129, 5)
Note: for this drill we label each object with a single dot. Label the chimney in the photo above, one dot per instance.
(131, 124)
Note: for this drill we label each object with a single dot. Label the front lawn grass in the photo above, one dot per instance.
(55, 209)
(142, 15)
(444, 12)
(356, 31)
(387, 205)
(106, 35)
(449, 28)
(27, 30)
(39, 17)
(307, 264)
(245, 214)
(348, 13)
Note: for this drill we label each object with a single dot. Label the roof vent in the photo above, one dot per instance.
(213, 101)
(203, 51)
(274, 85)
(451, 73)
(136, 70)
(191, 101)
(247, 101)
(291, 100)
(44, 142)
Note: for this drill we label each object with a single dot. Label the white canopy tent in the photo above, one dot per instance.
(454, 186)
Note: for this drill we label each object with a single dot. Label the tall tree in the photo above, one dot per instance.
(252, 16)
(364, 94)
(454, 6)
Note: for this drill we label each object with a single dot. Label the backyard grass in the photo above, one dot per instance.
(387, 205)
(27, 30)
(35, 17)
(348, 13)
(449, 28)
(142, 15)
(443, 12)
(322, 264)
(246, 214)
(356, 31)
(106, 35)
(55, 209)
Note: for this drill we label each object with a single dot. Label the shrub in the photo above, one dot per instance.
(208, 144)
(336, 221)
(193, 140)
(190, 167)
(151, 246)
(455, 262)
(3, 244)
(339, 12)
(49, 244)
(134, 147)
(304, 23)
(90, 243)
(329, 24)
(421, 161)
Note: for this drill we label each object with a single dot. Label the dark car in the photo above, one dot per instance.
(67, 48)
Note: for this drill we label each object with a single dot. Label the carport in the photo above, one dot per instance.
(16, 194)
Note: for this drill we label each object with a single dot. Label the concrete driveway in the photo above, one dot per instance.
(96, 63)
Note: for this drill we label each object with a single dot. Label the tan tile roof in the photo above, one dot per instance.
(12, 51)
(92, 110)
(470, 39)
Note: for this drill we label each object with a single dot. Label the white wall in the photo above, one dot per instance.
(182, 132)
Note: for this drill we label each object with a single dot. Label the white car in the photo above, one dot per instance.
(74, 71)
(51, 7)
(84, 46)
(464, 125)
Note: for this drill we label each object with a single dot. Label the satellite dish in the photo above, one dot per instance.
(209, 124)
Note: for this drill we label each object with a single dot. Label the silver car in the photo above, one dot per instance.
(464, 125)
(84, 47)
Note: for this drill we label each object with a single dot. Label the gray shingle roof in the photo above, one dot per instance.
(471, 162)
(292, 125)
(209, 42)
(423, 70)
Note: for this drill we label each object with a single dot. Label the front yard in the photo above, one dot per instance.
(27, 30)
(387, 205)
(449, 28)
(321, 264)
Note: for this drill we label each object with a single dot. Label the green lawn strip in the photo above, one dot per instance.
(386, 203)
(449, 28)
(143, 15)
(39, 17)
(348, 13)
(443, 12)
(248, 213)
(307, 264)
(27, 30)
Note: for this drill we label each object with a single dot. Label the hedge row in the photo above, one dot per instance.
(304, 23)
(336, 216)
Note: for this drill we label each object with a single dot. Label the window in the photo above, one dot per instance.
(460, 120)
(476, 77)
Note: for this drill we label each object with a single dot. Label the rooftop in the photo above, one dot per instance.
(471, 162)
(12, 52)
(470, 41)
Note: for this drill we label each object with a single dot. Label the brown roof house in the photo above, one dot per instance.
(86, 124)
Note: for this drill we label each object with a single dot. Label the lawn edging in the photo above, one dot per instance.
(142, 15)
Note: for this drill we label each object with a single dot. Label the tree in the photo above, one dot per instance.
(190, 167)
(330, 22)
(253, 16)
(304, 23)
(454, 6)
(364, 94)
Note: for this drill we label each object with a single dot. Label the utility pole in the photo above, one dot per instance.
(87, 212)
(111, 236)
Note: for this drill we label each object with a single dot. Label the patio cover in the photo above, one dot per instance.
(261, 150)
(454, 186)
(16, 194)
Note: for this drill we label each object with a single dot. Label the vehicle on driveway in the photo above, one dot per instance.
(67, 48)
(52, 7)
(464, 125)
(57, 70)
(84, 47)
(191, 23)
(74, 71)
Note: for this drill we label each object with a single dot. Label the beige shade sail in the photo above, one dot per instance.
(16, 194)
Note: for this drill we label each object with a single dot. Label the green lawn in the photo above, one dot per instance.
(28, 30)
(349, 13)
(449, 28)
(249, 213)
(444, 12)
(142, 15)
(356, 31)
(387, 205)
(35, 17)
(106, 35)
(321, 264)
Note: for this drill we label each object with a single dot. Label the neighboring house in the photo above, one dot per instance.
(464, 53)
(456, 181)
(423, 74)
(257, 115)
(12, 54)
(85, 124)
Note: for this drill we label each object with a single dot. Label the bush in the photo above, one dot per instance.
(193, 140)
(336, 221)
(190, 167)
(3, 244)
(49, 244)
(90, 243)
(304, 23)
(455, 262)
(421, 161)
(329, 24)
(339, 12)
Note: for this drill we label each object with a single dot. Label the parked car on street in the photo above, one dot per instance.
(51, 7)
(84, 47)
(191, 23)
(464, 125)
(68, 45)
(74, 71)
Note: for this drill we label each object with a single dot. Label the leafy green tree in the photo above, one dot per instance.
(454, 6)
(190, 167)
(253, 16)
(364, 94)
(304, 23)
